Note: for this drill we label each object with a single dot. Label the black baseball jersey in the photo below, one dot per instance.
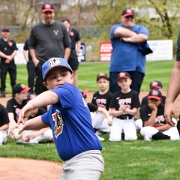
(130, 99)
(102, 100)
(7, 47)
(145, 113)
(74, 36)
(15, 108)
(145, 100)
(4, 119)
(41, 111)
(92, 107)
(26, 48)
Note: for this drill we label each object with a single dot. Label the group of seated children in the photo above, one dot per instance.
(111, 113)
(9, 116)
(123, 107)
(154, 125)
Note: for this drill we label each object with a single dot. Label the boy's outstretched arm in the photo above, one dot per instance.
(32, 124)
(44, 99)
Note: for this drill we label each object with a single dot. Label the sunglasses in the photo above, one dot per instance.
(48, 12)
(129, 17)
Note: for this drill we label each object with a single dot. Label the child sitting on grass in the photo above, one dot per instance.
(155, 126)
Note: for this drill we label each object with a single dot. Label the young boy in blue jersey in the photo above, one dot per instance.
(70, 121)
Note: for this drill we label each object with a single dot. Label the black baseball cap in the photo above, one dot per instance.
(47, 7)
(20, 88)
(155, 94)
(5, 29)
(155, 85)
(123, 75)
(102, 75)
(127, 12)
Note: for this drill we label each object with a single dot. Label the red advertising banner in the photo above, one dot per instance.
(105, 51)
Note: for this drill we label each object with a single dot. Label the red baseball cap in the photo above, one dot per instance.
(155, 94)
(123, 75)
(155, 85)
(84, 93)
(47, 7)
(102, 75)
(20, 88)
(127, 12)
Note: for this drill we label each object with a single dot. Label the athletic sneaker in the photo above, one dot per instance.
(146, 138)
(100, 138)
(4, 140)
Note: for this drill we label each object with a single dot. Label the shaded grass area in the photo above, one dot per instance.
(87, 72)
(133, 160)
(155, 70)
(137, 160)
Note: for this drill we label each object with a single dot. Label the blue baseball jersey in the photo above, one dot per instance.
(71, 123)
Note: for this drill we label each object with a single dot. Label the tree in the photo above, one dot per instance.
(160, 17)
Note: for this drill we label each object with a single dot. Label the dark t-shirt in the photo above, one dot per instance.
(49, 40)
(130, 99)
(4, 119)
(26, 48)
(7, 47)
(145, 113)
(74, 36)
(92, 107)
(102, 100)
(15, 108)
(41, 111)
(178, 48)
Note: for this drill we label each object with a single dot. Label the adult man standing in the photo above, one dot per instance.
(173, 89)
(48, 38)
(75, 40)
(30, 66)
(8, 50)
(125, 38)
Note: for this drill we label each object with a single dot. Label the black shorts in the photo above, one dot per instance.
(73, 60)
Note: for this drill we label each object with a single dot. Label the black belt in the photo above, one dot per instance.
(124, 117)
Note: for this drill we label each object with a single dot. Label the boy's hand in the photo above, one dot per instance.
(25, 113)
(152, 106)
(14, 126)
(28, 137)
(123, 108)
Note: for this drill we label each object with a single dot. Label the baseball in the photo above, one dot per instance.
(15, 135)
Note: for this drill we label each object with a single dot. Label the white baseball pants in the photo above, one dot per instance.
(3, 136)
(119, 125)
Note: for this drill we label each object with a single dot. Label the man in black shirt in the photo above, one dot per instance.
(75, 48)
(8, 50)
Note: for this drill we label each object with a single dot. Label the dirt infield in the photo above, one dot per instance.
(28, 169)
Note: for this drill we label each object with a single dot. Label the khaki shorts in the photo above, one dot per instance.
(88, 165)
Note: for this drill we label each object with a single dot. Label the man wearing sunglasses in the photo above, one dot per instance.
(125, 39)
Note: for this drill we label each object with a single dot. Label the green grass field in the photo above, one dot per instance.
(134, 160)
(87, 72)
